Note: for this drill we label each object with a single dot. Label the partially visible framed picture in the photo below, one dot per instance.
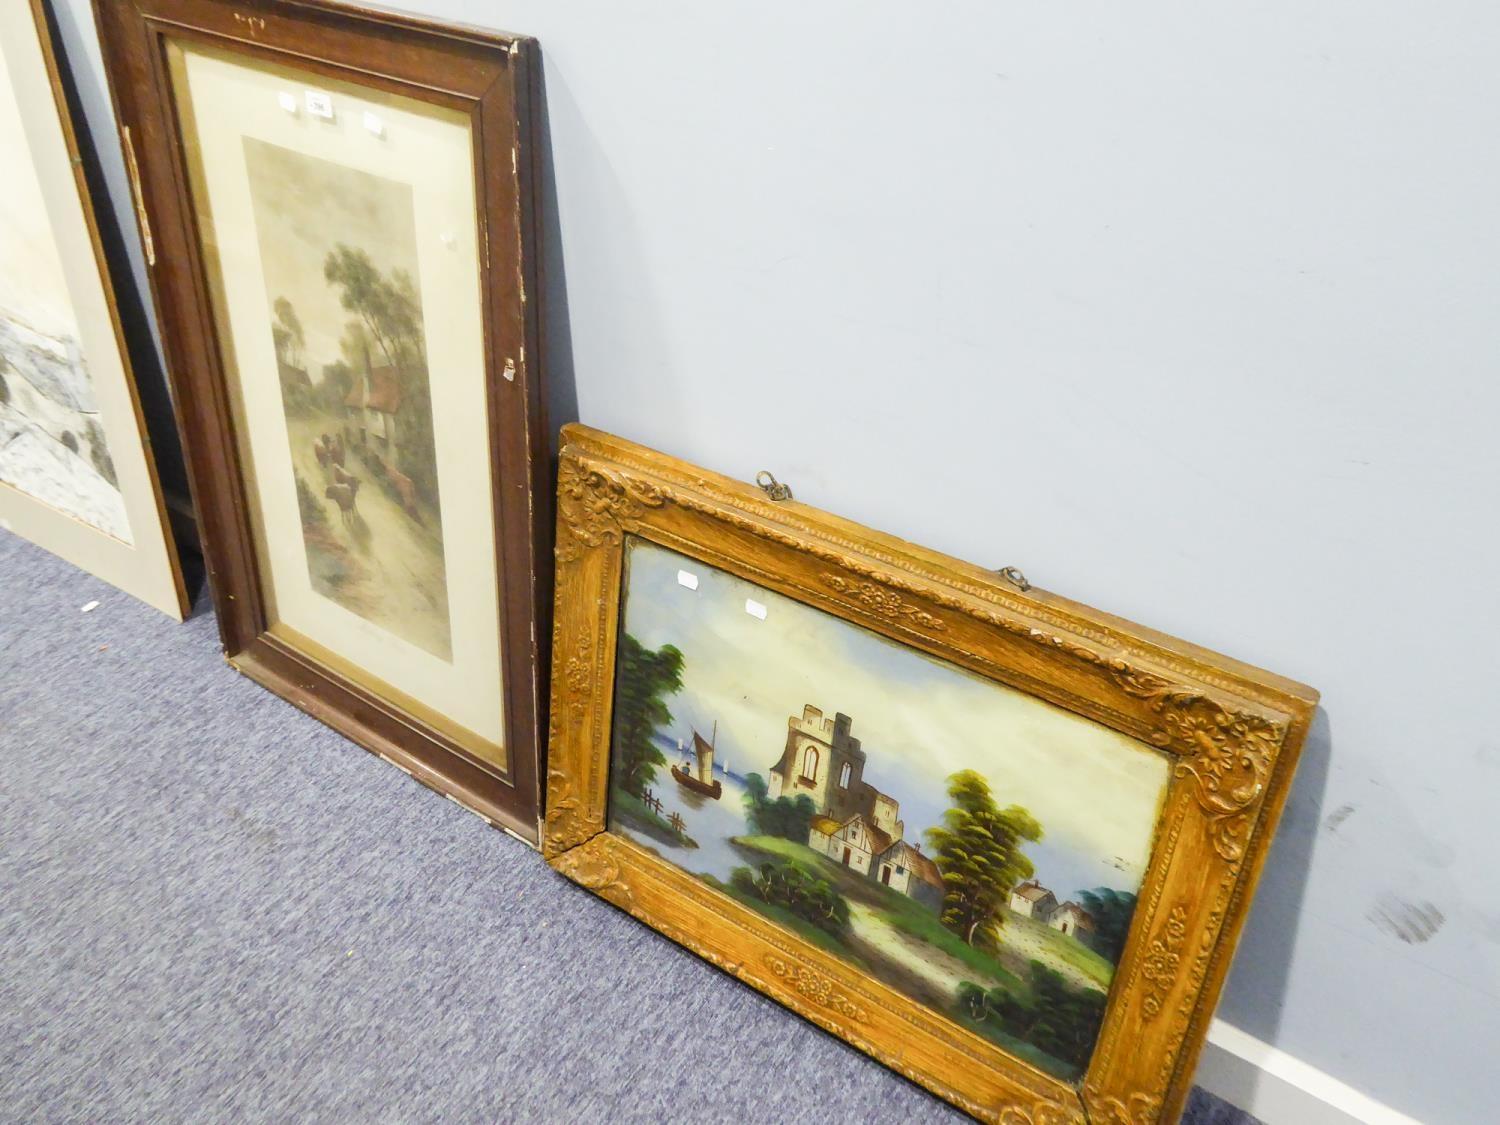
(76, 475)
(339, 213)
(999, 841)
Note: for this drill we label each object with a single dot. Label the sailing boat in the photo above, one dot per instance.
(704, 783)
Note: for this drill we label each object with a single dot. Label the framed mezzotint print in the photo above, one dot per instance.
(339, 214)
(76, 476)
(997, 840)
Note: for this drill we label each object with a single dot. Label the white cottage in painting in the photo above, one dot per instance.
(854, 843)
(1032, 900)
(904, 868)
(1073, 919)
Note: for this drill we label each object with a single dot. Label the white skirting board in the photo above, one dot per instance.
(1281, 1090)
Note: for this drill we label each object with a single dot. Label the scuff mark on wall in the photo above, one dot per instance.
(1411, 922)
(1337, 817)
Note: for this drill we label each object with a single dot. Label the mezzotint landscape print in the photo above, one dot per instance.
(970, 846)
(52, 444)
(338, 247)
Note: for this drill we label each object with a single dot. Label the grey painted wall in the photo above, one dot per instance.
(1190, 312)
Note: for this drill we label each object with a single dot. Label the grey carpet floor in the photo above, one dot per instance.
(213, 908)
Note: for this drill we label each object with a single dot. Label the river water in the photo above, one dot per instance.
(711, 823)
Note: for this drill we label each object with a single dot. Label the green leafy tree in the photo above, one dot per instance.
(796, 890)
(643, 682)
(978, 850)
(390, 318)
(287, 333)
(1049, 1012)
(1064, 1019)
(787, 817)
(1112, 911)
(335, 385)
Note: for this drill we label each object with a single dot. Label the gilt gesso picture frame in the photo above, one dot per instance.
(76, 472)
(340, 224)
(997, 840)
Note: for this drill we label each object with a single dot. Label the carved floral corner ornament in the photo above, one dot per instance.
(1227, 753)
(596, 504)
(592, 866)
(1133, 1109)
(568, 825)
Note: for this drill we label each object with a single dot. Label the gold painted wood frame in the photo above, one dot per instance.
(1232, 732)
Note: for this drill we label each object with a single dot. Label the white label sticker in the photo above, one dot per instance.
(288, 102)
(755, 609)
(685, 578)
(374, 124)
(319, 104)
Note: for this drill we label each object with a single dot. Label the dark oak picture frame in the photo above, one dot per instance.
(1231, 734)
(491, 79)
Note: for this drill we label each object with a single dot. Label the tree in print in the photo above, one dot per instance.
(390, 317)
(978, 851)
(644, 681)
(287, 333)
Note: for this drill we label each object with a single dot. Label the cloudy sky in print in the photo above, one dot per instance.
(1096, 792)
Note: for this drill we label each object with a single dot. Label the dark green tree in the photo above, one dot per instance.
(335, 385)
(794, 889)
(643, 681)
(1112, 911)
(1064, 1019)
(287, 333)
(978, 850)
(787, 817)
(1049, 1012)
(390, 315)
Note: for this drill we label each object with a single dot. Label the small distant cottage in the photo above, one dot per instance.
(372, 404)
(904, 868)
(1073, 919)
(1032, 900)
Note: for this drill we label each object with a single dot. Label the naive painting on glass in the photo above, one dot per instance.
(970, 846)
(338, 247)
(52, 444)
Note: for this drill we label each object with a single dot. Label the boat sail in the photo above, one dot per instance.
(704, 782)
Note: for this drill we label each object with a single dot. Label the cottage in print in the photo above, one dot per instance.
(1073, 919)
(1032, 900)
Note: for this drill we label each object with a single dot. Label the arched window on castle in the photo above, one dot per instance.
(810, 764)
(844, 775)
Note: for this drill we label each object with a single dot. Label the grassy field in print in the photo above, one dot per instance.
(902, 944)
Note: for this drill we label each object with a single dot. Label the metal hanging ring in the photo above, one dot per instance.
(772, 487)
(1013, 575)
